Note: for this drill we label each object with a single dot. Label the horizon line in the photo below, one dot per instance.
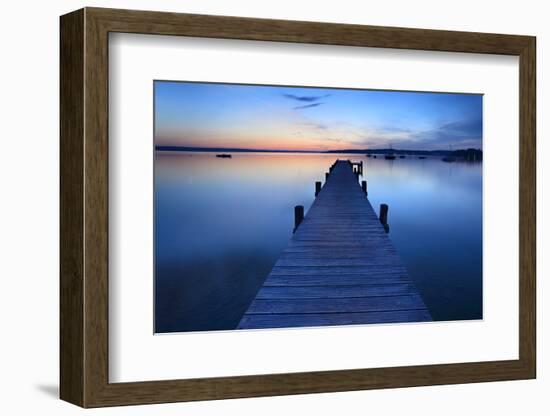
(252, 150)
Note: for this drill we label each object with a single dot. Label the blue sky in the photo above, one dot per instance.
(294, 118)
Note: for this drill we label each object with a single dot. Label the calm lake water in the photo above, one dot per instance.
(220, 225)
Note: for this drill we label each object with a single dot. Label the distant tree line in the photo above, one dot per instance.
(470, 154)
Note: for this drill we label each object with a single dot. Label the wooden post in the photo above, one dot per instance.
(361, 165)
(317, 188)
(384, 216)
(298, 216)
(364, 186)
(326, 176)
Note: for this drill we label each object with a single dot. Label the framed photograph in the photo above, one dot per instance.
(257, 207)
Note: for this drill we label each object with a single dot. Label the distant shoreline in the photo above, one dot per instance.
(458, 152)
(227, 150)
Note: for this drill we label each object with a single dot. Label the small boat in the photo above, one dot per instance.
(374, 156)
(223, 155)
(422, 157)
(368, 155)
(402, 157)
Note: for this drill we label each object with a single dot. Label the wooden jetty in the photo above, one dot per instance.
(340, 267)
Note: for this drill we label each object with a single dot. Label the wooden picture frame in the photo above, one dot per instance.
(84, 207)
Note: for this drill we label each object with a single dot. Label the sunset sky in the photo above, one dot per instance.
(317, 119)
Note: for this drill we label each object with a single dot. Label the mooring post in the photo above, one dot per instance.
(317, 188)
(361, 164)
(298, 216)
(364, 186)
(384, 216)
(326, 176)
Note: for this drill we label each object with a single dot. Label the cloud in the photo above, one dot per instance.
(397, 130)
(306, 98)
(462, 129)
(458, 134)
(315, 125)
(301, 107)
(461, 134)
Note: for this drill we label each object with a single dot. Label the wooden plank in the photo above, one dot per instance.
(336, 304)
(310, 320)
(333, 291)
(339, 268)
(318, 270)
(326, 254)
(328, 262)
(334, 279)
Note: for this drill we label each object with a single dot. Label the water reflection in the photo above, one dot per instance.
(220, 225)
